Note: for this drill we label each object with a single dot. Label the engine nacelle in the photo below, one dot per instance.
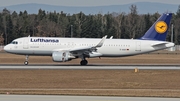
(61, 56)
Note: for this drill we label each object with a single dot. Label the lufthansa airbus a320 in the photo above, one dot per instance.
(66, 49)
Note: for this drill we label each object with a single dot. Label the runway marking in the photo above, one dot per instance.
(79, 98)
(98, 89)
(98, 67)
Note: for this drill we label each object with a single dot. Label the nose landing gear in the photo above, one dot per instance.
(26, 62)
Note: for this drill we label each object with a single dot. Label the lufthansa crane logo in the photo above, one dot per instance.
(161, 27)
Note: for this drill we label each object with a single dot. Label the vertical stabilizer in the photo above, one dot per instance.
(159, 29)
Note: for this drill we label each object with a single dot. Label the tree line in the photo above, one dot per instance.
(59, 24)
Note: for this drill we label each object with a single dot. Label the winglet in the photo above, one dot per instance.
(111, 37)
(101, 42)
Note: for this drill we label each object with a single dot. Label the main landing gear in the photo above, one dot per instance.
(26, 62)
(84, 62)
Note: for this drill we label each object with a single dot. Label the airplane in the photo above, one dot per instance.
(66, 49)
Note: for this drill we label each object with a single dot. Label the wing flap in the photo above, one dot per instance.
(80, 49)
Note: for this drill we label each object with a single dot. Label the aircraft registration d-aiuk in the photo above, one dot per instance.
(66, 49)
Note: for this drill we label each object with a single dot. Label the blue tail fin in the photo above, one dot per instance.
(159, 29)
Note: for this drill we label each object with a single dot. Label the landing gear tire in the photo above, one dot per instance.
(84, 62)
(26, 63)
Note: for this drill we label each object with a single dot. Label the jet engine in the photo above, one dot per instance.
(60, 56)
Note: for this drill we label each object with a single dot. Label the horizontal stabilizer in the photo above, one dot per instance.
(158, 44)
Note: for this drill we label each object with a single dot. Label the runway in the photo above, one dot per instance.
(78, 98)
(93, 67)
(77, 67)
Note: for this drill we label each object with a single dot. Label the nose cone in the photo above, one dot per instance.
(6, 48)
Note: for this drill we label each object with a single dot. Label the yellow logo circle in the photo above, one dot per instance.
(161, 27)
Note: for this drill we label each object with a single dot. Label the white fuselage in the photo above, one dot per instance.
(110, 48)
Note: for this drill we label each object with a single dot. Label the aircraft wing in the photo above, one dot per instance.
(89, 48)
(88, 51)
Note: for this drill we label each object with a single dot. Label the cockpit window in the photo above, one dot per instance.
(14, 42)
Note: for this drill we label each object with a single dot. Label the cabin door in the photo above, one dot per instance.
(26, 43)
(138, 46)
